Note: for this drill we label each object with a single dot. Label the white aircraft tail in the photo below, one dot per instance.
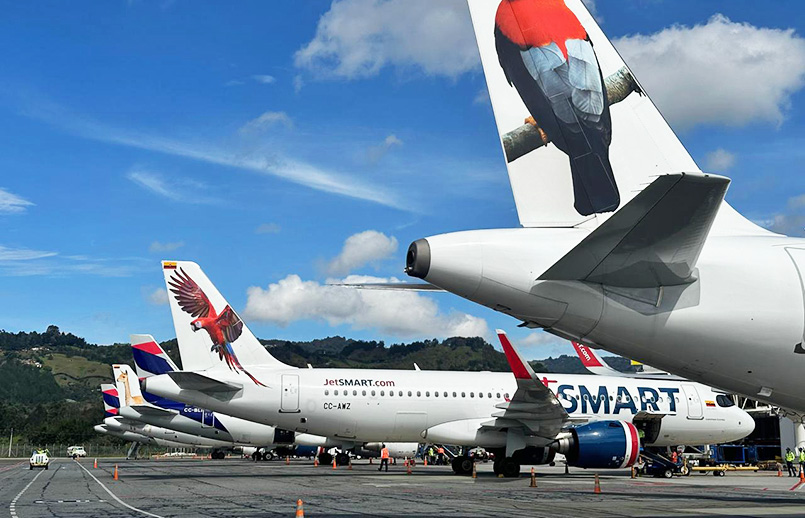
(593, 138)
(210, 334)
(592, 362)
(128, 386)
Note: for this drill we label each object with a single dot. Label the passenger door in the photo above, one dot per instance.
(289, 401)
(695, 410)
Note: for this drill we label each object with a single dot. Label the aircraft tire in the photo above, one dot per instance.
(342, 459)
(497, 466)
(462, 465)
(510, 468)
(268, 456)
(325, 458)
(668, 473)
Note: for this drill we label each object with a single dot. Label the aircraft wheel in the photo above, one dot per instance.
(342, 459)
(325, 458)
(719, 473)
(268, 456)
(497, 466)
(510, 468)
(668, 473)
(257, 456)
(462, 465)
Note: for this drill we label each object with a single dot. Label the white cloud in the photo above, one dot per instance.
(719, 161)
(375, 153)
(264, 79)
(268, 228)
(22, 254)
(10, 203)
(18, 262)
(234, 82)
(399, 313)
(267, 120)
(298, 83)
(482, 97)
(157, 247)
(367, 247)
(791, 221)
(158, 297)
(182, 190)
(720, 72)
(357, 38)
(295, 171)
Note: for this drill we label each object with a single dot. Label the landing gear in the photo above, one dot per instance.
(341, 459)
(325, 458)
(507, 467)
(257, 456)
(268, 455)
(218, 455)
(462, 465)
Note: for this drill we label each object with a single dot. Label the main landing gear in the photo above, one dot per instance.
(462, 465)
(508, 467)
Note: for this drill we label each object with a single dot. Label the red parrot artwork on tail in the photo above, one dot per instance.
(223, 329)
(548, 57)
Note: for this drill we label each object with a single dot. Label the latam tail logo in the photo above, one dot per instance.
(223, 328)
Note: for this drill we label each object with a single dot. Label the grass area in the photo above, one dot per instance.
(72, 369)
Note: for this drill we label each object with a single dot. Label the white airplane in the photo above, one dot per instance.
(524, 419)
(596, 365)
(625, 244)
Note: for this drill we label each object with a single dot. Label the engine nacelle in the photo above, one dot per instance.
(284, 436)
(601, 444)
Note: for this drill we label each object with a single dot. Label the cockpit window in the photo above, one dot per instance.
(724, 401)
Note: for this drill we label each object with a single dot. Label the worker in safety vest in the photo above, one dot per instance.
(801, 460)
(440, 459)
(789, 462)
(384, 458)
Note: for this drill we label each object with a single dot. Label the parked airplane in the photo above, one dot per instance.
(596, 365)
(594, 420)
(675, 277)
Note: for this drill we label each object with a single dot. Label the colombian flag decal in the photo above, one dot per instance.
(169, 265)
(710, 403)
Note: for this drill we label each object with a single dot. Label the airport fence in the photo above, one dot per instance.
(23, 450)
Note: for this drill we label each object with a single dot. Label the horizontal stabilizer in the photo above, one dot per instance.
(201, 383)
(152, 410)
(654, 240)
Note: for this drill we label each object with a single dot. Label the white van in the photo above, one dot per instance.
(39, 459)
(76, 451)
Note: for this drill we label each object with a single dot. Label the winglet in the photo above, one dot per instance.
(587, 356)
(520, 368)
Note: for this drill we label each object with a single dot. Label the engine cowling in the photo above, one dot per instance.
(601, 444)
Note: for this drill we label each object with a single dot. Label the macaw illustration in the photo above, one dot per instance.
(548, 57)
(223, 329)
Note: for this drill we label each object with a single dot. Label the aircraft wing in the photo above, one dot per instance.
(654, 240)
(533, 408)
(195, 381)
(390, 286)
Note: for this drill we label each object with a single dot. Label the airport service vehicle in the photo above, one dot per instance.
(39, 459)
(76, 451)
(524, 418)
(625, 244)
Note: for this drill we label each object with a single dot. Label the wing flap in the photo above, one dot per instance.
(201, 383)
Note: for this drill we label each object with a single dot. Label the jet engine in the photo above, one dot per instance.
(600, 444)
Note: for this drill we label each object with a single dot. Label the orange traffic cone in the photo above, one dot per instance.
(597, 489)
(115, 475)
(370, 460)
(287, 459)
(315, 462)
(633, 474)
(300, 509)
(408, 466)
(802, 476)
(95, 465)
(474, 471)
(779, 470)
(426, 461)
(533, 478)
(334, 463)
(350, 463)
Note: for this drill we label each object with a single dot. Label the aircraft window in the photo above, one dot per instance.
(445, 394)
(382, 392)
(506, 395)
(335, 392)
(326, 392)
(489, 395)
(578, 398)
(724, 401)
(660, 400)
(400, 393)
(373, 393)
(454, 394)
(586, 397)
(611, 398)
(363, 393)
(677, 399)
(418, 394)
(472, 394)
(391, 392)
(436, 393)
(498, 395)
(354, 392)
(463, 394)
(410, 393)
(427, 393)
(480, 394)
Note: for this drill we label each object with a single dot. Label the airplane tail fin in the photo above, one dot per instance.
(593, 138)
(128, 386)
(592, 362)
(149, 357)
(111, 402)
(210, 333)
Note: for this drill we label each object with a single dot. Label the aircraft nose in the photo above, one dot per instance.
(746, 424)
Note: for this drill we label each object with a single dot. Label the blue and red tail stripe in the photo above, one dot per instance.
(150, 358)
(110, 398)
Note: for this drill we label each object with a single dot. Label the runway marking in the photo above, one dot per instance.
(121, 502)
(13, 506)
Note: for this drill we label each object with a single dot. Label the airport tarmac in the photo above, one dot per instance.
(236, 487)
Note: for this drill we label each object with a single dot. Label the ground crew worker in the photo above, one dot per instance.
(430, 455)
(440, 458)
(384, 459)
(789, 462)
(801, 459)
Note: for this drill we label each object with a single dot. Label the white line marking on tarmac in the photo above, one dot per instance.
(121, 502)
(13, 506)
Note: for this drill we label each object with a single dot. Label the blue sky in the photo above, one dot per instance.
(256, 137)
